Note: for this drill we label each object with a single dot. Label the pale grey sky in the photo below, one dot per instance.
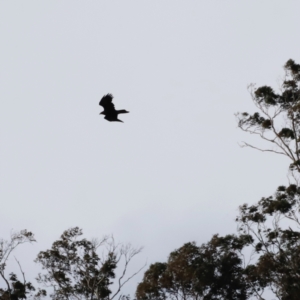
(173, 172)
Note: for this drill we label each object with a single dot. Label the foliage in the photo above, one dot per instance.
(75, 270)
(269, 228)
(16, 289)
(273, 222)
(276, 109)
(212, 271)
(270, 223)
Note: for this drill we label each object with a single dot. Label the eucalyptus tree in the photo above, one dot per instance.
(13, 287)
(213, 270)
(274, 221)
(277, 120)
(273, 224)
(77, 268)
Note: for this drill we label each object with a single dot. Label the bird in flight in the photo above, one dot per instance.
(111, 114)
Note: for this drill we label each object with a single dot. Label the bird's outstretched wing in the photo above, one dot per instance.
(106, 102)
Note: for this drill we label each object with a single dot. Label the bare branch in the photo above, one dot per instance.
(23, 274)
(128, 253)
(263, 150)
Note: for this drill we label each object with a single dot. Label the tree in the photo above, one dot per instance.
(74, 269)
(275, 109)
(273, 222)
(212, 271)
(270, 223)
(269, 228)
(15, 288)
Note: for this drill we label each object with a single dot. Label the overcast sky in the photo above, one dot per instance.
(173, 172)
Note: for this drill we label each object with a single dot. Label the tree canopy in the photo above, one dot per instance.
(265, 252)
(212, 271)
(273, 225)
(75, 270)
(278, 120)
(16, 288)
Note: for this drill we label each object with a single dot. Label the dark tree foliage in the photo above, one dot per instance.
(18, 289)
(270, 228)
(74, 269)
(15, 288)
(211, 271)
(274, 224)
(278, 119)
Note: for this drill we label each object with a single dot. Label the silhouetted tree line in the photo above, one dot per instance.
(263, 254)
(74, 268)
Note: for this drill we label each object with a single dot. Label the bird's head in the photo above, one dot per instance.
(102, 113)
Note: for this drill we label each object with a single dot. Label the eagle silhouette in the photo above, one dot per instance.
(111, 114)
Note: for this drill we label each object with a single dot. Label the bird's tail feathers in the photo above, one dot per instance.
(123, 111)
